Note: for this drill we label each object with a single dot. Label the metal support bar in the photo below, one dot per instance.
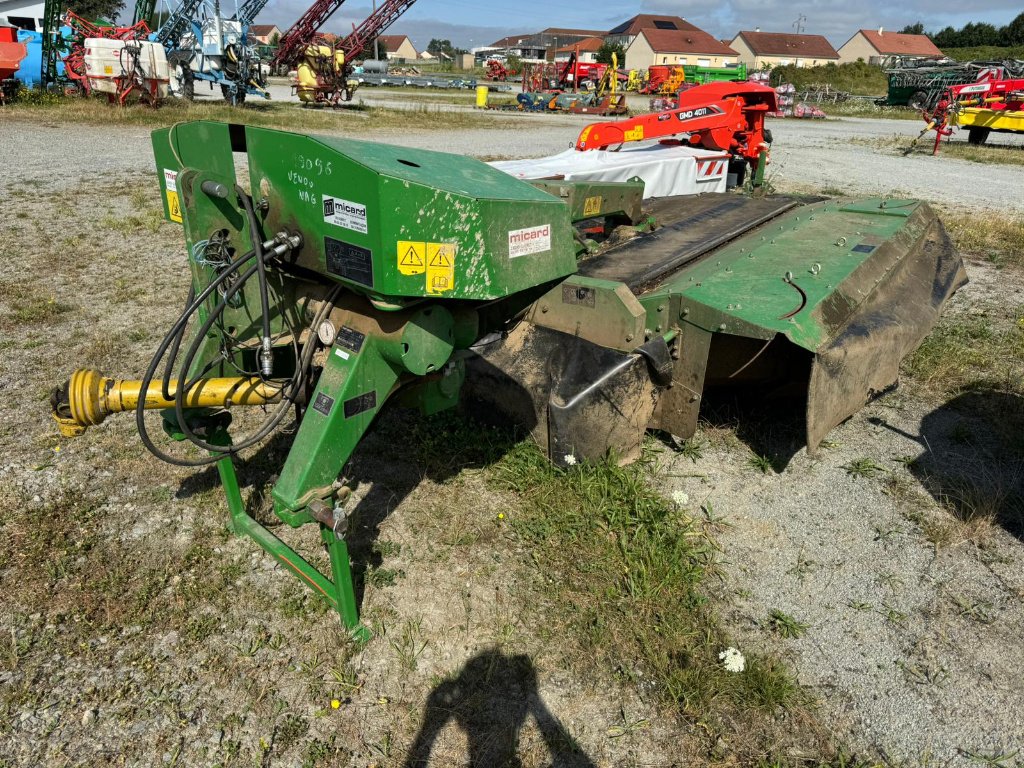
(339, 594)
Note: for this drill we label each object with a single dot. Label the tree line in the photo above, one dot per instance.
(973, 34)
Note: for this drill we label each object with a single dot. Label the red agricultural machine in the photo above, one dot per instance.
(117, 69)
(987, 106)
(719, 116)
(323, 66)
(498, 72)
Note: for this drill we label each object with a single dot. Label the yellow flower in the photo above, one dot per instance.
(335, 704)
(501, 515)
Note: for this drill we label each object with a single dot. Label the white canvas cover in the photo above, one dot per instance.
(666, 169)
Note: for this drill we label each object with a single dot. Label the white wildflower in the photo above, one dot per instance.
(680, 498)
(570, 460)
(733, 660)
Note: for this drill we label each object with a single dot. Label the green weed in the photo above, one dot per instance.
(864, 467)
(785, 625)
(632, 567)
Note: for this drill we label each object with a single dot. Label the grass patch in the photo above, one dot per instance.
(987, 154)
(856, 77)
(785, 625)
(863, 467)
(626, 568)
(1000, 239)
(30, 306)
(867, 108)
(288, 116)
(972, 352)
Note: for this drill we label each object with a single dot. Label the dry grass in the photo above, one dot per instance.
(995, 237)
(990, 153)
(268, 114)
(625, 574)
(867, 108)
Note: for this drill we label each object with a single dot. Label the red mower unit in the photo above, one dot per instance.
(719, 116)
(498, 71)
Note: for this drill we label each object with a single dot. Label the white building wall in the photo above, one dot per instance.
(21, 10)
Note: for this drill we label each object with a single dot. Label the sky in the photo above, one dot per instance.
(472, 23)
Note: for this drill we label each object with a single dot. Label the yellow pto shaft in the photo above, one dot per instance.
(89, 397)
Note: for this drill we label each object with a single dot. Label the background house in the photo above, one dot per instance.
(874, 46)
(18, 13)
(626, 32)
(659, 46)
(759, 49)
(587, 47)
(397, 47)
(535, 46)
(264, 33)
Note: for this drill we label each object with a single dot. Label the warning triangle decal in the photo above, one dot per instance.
(411, 258)
(440, 259)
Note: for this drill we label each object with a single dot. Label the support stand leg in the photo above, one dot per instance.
(339, 594)
(345, 593)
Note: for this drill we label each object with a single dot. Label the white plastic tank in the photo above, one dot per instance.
(106, 63)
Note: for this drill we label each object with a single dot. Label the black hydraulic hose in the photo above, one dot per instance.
(288, 392)
(185, 386)
(176, 330)
(165, 389)
(257, 242)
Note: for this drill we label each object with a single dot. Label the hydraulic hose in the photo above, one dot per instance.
(265, 357)
(176, 330)
(169, 368)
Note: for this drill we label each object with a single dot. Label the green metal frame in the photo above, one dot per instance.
(51, 42)
(340, 593)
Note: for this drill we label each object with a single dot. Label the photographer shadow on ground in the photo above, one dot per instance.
(972, 462)
(491, 700)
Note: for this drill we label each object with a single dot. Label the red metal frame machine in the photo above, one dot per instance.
(718, 116)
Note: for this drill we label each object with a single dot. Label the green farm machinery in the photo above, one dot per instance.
(338, 276)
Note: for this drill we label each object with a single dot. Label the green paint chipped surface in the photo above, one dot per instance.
(820, 247)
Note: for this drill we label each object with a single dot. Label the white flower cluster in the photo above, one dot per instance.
(570, 460)
(733, 660)
(680, 498)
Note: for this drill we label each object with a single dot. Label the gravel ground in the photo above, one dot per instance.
(912, 645)
(807, 156)
(914, 622)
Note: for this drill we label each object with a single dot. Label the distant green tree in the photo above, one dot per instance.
(1013, 33)
(916, 28)
(437, 46)
(107, 10)
(274, 40)
(947, 38)
(604, 53)
(978, 33)
(370, 51)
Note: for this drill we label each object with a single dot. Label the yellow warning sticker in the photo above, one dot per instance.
(634, 134)
(412, 257)
(440, 267)
(173, 206)
(592, 205)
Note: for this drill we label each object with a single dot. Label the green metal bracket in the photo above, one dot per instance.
(591, 199)
(340, 594)
(601, 311)
(762, 163)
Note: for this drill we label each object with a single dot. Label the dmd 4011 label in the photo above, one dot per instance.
(345, 213)
(522, 242)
